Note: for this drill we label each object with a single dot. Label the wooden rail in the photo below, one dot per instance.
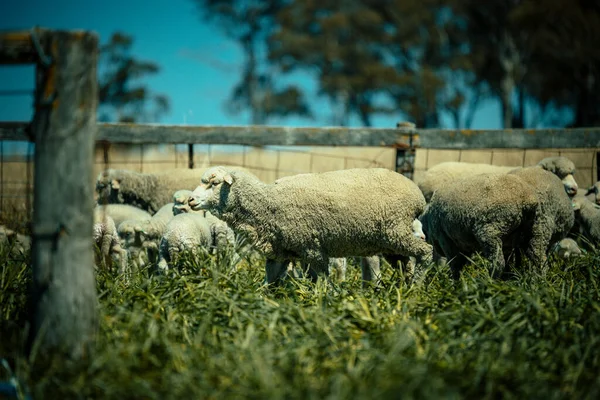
(333, 136)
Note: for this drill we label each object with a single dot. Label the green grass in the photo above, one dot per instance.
(212, 333)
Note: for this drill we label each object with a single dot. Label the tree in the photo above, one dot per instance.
(541, 52)
(376, 57)
(121, 97)
(249, 23)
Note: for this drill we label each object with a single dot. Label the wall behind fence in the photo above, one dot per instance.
(268, 163)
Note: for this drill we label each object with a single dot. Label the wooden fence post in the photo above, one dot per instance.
(63, 298)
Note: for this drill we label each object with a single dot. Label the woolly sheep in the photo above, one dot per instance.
(150, 232)
(223, 236)
(445, 173)
(354, 212)
(370, 267)
(106, 240)
(567, 248)
(587, 215)
(144, 190)
(474, 215)
(186, 232)
(121, 212)
(555, 216)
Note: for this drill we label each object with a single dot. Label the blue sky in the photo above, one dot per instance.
(198, 64)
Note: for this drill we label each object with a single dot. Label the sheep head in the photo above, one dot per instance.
(107, 187)
(417, 227)
(180, 201)
(595, 192)
(207, 195)
(564, 169)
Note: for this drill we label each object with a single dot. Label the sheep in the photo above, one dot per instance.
(121, 212)
(564, 169)
(144, 190)
(150, 232)
(371, 266)
(525, 210)
(223, 236)
(593, 193)
(555, 216)
(482, 213)
(567, 248)
(587, 215)
(445, 173)
(187, 232)
(354, 212)
(106, 240)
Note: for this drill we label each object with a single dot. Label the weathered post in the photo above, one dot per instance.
(63, 298)
(405, 156)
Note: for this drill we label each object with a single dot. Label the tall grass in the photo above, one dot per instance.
(217, 333)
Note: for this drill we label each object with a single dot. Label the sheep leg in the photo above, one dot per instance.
(491, 246)
(454, 259)
(275, 271)
(337, 268)
(538, 245)
(318, 264)
(371, 271)
(105, 251)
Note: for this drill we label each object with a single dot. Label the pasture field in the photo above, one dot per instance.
(214, 333)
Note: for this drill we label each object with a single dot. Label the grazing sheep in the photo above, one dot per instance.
(187, 232)
(121, 212)
(223, 236)
(555, 216)
(525, 210)
(354, 212)
(567, 248)
(144, 190)
(108, 247)
(445, 173)
(485, 213)
(151, 231)
(587, 216)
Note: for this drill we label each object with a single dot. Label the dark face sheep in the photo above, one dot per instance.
(107, 188)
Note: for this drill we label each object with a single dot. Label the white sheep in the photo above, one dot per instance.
(587, 216)
(525, 210)
(185, 233)
(445, 173)
(354, 212)
(593, 193)
(107, 245)
(121, 212)
(223, 236)
(148, 191)
(567, 248)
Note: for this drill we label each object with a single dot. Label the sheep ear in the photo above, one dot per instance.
(590, 190)
(228, 179)
(114, 184)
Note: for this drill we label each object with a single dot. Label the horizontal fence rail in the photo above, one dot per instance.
(259, 135)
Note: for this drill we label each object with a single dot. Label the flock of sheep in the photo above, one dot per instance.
(312, 223)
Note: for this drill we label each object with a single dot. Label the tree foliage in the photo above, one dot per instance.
(249, 23)
(429, 60)
(122, 97)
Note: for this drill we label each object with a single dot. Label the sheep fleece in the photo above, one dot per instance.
(355, 212)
